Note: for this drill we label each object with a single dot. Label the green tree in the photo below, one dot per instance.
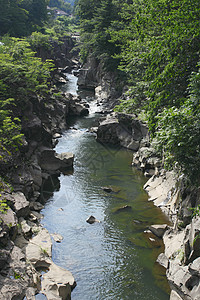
(22, 75)
(61, 4)
(159, 49)
(13, 18)
(20, 17)
(95, 19)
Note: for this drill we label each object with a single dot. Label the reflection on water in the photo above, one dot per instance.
(113, 259)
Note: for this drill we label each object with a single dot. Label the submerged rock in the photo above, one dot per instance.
(123, 208)
(107, 189)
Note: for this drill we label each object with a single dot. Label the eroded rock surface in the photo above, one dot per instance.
(123, 130)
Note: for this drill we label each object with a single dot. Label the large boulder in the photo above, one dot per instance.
(78, 109)
(122, 129)
(39, 249)
(57, 283)
(158, 230)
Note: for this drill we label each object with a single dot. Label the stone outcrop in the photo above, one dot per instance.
(57, 283)
(88, 77)
(52, 161)
(78, 107)
(92, 75)
(164, 191)
(146, 160)
(158, 230)
(183, 277)
(182, 240)
(122, 130)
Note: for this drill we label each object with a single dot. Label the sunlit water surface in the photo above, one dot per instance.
(112, 259)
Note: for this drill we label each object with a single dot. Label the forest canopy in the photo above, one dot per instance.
(21, 17)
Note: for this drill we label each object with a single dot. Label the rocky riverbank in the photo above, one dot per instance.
(166, 189)
(169, 192)
(26, 266)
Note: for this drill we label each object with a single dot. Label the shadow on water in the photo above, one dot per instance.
(113, 259)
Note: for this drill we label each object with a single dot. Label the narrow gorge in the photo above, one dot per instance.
(79, 158)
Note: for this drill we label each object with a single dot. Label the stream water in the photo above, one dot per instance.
(113, 259)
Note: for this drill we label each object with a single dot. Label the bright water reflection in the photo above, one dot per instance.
(112, 259)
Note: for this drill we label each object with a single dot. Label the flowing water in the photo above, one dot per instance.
(113, 259)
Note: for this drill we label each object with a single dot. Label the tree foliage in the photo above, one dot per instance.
(20, 17)
(95, 19)
(61, 4)
(22, 75)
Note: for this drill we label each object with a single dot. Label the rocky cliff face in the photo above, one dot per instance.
(93, 76)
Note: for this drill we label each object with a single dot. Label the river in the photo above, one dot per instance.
(113, 259)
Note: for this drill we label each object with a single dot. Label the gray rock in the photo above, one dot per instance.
(21, 205)
(194, 267)
(51, 161)
(39, 249)
(158, 230)
(57, 283)
(162, 260)
(121, 129)
(9, 225)
(14, 286)
(66, 159)
(57, 237)
(77, 109)
(37, 206)
(30, 293)
(4, 257)
(11, 289)
(36, 174)
(92, 220)
(123, 208)
(36, 216)
(194, 238)
(175, 296)
(181, 280)
(25, 228)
